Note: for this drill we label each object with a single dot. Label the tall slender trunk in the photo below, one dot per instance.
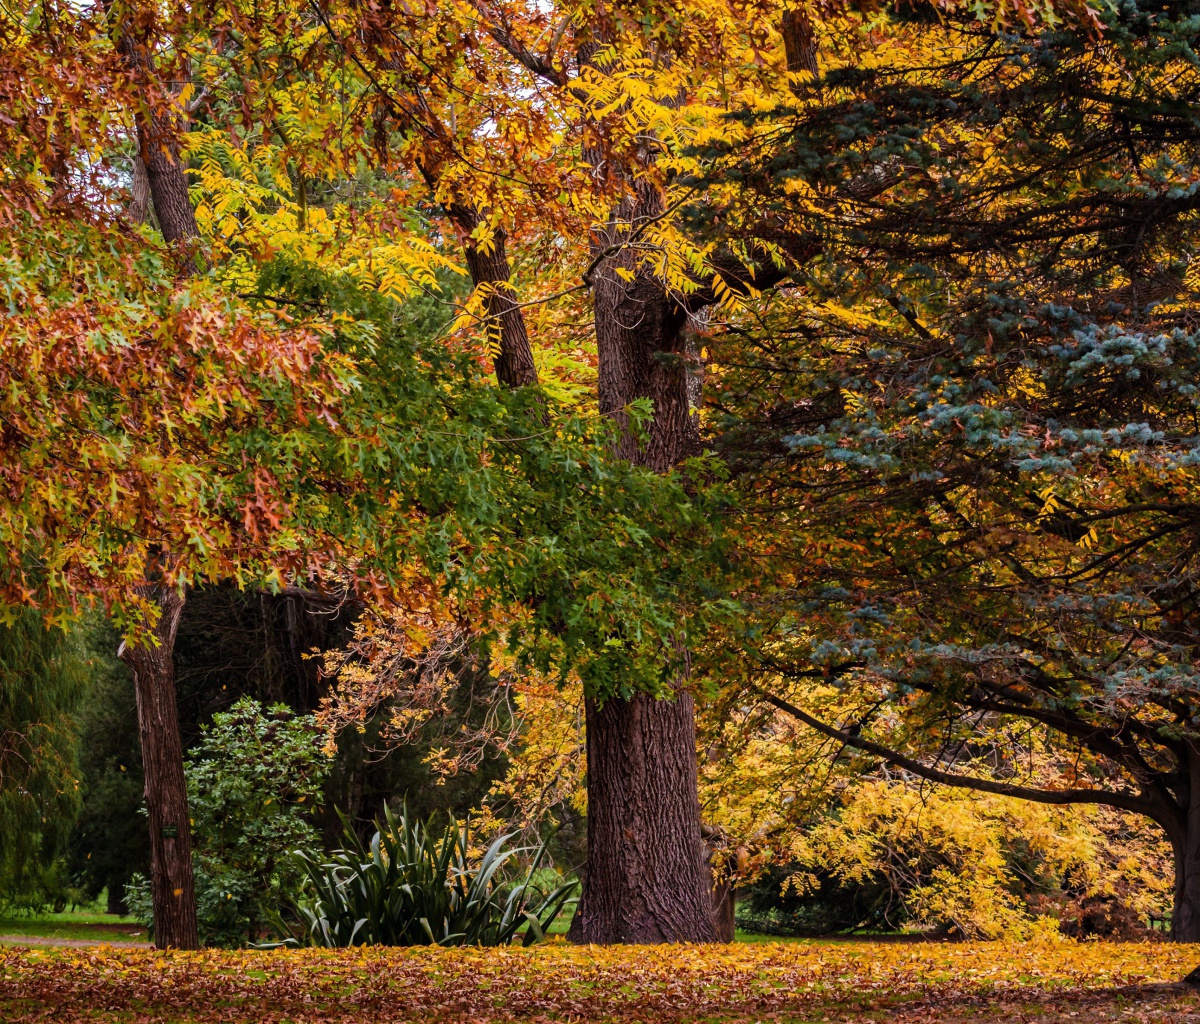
(171, 883)
(152, 666)
(489, 269)
(158, 134)
(1185, 916)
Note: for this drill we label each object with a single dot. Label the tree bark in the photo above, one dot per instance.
(799, 42)
(139, 193)
(153, 667)
(647, 878)
(642, 346)
(158, 133)
(506, 331)
(1185, 914)
(171, 880)
(168, 180)
(724, 910)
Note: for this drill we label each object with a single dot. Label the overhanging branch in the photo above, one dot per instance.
(1125, 801)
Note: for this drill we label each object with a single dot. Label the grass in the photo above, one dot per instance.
(82, 925)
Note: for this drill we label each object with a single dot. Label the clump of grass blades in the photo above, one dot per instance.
(412, 887)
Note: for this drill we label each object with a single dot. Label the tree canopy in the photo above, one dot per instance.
(833, 358)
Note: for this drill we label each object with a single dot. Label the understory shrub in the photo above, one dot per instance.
(892, 855)
(410, 886)
(254, 783)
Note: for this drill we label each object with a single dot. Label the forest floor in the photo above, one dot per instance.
(921, 983)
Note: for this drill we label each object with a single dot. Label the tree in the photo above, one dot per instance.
(128, 377)
(639, 91)
(823, 838)
(150, 654)
(973, 422)
(570, 130)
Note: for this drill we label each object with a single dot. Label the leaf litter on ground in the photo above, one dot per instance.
(919, 983)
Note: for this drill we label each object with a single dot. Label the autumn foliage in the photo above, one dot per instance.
(850, 981)
(826, 366)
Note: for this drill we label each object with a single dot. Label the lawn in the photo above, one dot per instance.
(844, 982)
(82, 925)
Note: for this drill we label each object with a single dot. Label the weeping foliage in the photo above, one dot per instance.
(412, 887)
(42, 680)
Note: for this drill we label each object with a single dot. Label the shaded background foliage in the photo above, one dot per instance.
(43, 683)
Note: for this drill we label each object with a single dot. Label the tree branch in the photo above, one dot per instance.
(1125, 801)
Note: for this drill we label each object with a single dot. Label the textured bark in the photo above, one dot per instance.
(166, 173)
(799, 42)
(724, 911)
(153, 666)
(1185, 916)
(166, 789)
(647, 877)
(505, 322)
(139, 193)
(643, 346)
(158, 141)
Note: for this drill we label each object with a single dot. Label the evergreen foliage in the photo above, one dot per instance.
(971, 423)
(254, 786)
(43, 680)
(410, 886)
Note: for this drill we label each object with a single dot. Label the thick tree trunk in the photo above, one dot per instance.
(1185, 915)
(643, 346)
(166, 789)
(647, 877)
(799, 42)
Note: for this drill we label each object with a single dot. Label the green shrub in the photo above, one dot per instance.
(254, 781)
(409, 887)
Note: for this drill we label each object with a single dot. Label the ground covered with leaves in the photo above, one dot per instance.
(837, 982)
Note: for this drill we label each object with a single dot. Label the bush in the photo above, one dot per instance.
(410, 888)
(254, 782)
(772, 905)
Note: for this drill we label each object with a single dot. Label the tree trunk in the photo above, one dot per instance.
(165, 180)
(506, 330)
(1185, 915)
(158, 132)
(647, 877)
(724, 910)
(139, 208)
(168, 182)
(799, 42)
(166, 790)
(642, 346)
